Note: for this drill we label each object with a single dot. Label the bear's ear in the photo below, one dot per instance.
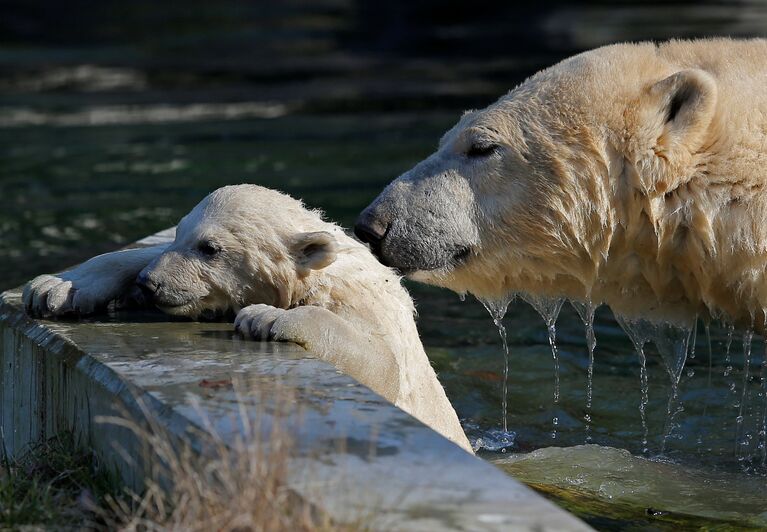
(686, 102)
(314, 251)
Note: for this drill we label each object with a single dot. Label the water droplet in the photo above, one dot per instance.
(730, 332)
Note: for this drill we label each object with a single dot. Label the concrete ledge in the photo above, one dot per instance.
(369, 457)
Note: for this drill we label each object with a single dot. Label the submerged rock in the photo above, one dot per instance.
(595, 475)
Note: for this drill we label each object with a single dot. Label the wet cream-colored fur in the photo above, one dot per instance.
(633, 175)
(289, 275)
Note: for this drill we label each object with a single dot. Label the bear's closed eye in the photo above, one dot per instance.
(481, 150)
(209, 249)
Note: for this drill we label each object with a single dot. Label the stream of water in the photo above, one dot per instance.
(502, 440)
(549, 311)
(586, 312)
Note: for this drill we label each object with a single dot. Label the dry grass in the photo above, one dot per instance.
(215, 485)
(239, 485)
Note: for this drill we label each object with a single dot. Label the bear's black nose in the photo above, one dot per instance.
(370, 231)
(147, 285)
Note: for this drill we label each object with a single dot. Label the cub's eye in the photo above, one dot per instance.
(209, 249)
(481, 150)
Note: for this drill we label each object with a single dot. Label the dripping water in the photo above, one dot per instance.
(763, 376)
(728, 365)
(638, 335)
(674, 405)
(694, 334)
(710, 356)
(497, 310)
(763, 429)
(707, 399)
(586, 312)
(730, 333)
(747, 337)
(549, 311)
(674, 345)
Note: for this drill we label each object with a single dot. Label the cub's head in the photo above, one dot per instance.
(530, 193)
(241, 245)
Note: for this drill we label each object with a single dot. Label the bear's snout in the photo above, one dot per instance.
(371, 230)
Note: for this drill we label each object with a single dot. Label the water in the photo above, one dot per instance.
(693, 499)
(710, 373)
(763, 378)
(549, 311)
(586, 312)
(639, 337)
(691, 448)
(329, 101)
(503, 439)
(740, 444)
(676, 345)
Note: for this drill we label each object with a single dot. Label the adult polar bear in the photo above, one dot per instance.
(291, 275)
(632, 175)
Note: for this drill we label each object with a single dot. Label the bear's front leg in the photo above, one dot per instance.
(330, 337)
(89, 287)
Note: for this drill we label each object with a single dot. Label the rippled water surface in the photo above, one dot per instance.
(105, 143)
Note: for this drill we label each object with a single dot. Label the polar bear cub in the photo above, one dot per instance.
(289, 275)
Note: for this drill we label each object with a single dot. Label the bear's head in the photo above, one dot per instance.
(241, 245)
(585, 161)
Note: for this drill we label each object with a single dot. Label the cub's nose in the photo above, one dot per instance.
(371, 231)
(147, 285)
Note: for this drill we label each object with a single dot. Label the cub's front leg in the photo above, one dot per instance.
(89, 287)
(328, 336)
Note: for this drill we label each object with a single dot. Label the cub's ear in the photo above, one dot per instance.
(314, 251)
(686, 102)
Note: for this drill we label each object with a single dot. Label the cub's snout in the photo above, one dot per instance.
(147, 285)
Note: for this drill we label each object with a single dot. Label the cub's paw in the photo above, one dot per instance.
(257, 321)
(63, 294)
